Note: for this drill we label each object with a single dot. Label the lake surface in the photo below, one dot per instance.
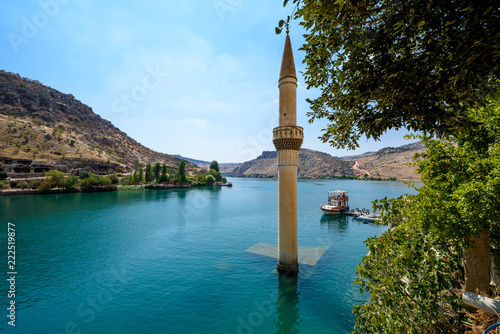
(174, 261)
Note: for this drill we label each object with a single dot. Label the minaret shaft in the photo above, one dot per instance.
(287, 139)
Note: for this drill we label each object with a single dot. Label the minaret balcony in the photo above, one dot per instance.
(288, 137)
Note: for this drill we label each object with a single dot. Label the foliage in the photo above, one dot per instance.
(408, 275)
(181, 174)
(38, 121)
(89, 183)
(114, 179)
(217, 176)
(3, 184)
(157, 172)
(105, 181)
(215, 166)
(34, 184)
(148, 177)
(3, 175)
(164, 173)
(413, 270)
(54, 178)
(164, 178)
(70, 182)
(224, 180)
(209, 179)
(84, 174)
(43, 187)
(23, 185)
(383, 64)
(140, 175)
(131, 188)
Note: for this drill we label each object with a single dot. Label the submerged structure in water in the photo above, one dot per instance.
(287, 139)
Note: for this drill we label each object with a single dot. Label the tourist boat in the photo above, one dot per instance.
(337, 202)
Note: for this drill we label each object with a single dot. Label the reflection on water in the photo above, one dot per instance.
(337, 224)
(287, 310)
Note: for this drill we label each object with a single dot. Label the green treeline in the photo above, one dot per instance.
(160, 174)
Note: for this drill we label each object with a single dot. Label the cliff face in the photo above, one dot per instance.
(388, 162)
(43, 124)
(312, 164)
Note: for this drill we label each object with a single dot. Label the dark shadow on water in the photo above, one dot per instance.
(287, 311)
(337, 224)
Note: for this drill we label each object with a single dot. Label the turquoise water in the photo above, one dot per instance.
(174, 261)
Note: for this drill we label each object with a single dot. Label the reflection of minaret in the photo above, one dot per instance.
(287, 139)
(287, 309)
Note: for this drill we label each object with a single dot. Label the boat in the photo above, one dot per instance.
(372, 217)
(337, 202)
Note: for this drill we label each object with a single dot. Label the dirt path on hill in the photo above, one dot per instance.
(361, 171)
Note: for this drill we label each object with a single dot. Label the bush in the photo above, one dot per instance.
(131, 188)
(54, 178)
(35, 183)
(89, 183)
(125, 180)
(23, 185)
(3, 184)
(114, 179)
(209, 179)
(3, 175)
(224, 180)
(105, 181)
(43, 187)
(84, 174)
(70, 182)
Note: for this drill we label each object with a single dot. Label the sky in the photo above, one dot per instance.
(195, 78)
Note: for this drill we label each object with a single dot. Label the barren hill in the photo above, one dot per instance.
(312, 164)
(388, 162)
(40, 123)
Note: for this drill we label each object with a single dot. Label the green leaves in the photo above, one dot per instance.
(382, 65)
(413, 269)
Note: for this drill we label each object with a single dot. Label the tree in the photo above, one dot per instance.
(84, 174)
(181, 175)
(384, 64)
(415, 271)
(148, 174)
(34, 152)
(3, 175)
(215, 166)
(70, 182)
(54, 178)
(209, 179)
(164, 175)
(156, 172)
(217, 176)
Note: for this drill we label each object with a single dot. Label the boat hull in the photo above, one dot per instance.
(365, 218)
(329, 210)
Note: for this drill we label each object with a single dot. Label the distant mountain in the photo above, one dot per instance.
(386, 163)
(40, 123)
(312, 164)
(225, 168)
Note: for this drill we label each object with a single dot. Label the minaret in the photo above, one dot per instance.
(287, 139)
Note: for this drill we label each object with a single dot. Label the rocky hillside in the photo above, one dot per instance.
(387, 162)
(312, 164)
(43, 124)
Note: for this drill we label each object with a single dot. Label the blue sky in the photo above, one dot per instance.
(196, 78)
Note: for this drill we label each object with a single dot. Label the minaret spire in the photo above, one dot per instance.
(287, 139)
(287, 62)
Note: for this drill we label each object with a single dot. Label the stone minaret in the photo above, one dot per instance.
(287, 139)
